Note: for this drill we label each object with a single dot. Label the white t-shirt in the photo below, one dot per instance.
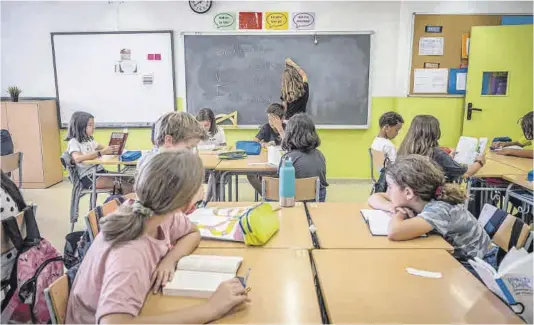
(217, 139)
(386, 146)
(83, 148)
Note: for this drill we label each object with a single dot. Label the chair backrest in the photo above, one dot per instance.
(306, 189)
(101, 211)
(505, 230)
(9, 163)
(377, 162)
(68, 163)
(57, 297)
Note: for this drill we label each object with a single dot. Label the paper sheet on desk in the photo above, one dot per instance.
(425, 274)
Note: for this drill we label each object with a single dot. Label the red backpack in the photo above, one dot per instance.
(38, 265)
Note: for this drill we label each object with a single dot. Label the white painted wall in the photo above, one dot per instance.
(26, 57)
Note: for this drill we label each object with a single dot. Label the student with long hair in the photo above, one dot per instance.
(206, 117)
(139, 246)
(295, 89)
(82, 146)
(526, 140)
(300, 143)
(421, 201)
(423, 139)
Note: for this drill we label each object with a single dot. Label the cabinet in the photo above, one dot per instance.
(34, 129)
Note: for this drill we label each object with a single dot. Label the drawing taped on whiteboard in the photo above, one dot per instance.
(126, 65)
(431, 45)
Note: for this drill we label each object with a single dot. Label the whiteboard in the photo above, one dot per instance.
(115, 76)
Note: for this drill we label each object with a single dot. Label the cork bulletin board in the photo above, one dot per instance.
(453, 27)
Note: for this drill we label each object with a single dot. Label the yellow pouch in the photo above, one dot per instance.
(259, 224)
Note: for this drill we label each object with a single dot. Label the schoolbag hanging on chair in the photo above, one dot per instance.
(38, 265)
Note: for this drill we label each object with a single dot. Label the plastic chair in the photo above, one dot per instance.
(306, 189)
(9, 163)
(57, 297)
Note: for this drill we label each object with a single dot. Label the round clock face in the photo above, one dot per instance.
(200, 7)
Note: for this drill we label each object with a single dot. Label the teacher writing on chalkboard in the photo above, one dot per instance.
(295, 90)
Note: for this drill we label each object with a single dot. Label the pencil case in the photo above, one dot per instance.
(252, 148)
(259, 224)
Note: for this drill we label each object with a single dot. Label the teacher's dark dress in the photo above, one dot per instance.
(299, 105)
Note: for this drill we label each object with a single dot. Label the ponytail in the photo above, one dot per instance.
(125, 224)
(451, 193)
(166, 183)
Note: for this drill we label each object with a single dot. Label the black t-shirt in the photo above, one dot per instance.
(299, 105)
(451, 168)
(268, 134)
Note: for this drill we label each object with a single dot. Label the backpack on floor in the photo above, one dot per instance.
(6, 143)
(38, 265)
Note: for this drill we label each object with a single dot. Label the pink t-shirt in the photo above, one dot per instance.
(117, 279)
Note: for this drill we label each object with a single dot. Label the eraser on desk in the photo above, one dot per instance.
(531, 175)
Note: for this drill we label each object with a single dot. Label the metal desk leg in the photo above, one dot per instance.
(230, 188)
(222, 189)
(507, 196)
(93, 194)
(468, 190)
(237, 188)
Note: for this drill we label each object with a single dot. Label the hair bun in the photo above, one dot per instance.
(139, 209)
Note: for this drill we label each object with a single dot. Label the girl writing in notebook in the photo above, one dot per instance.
(82, 147)
(138, 248)
(421, 202)
(216, 137)
(423, 139)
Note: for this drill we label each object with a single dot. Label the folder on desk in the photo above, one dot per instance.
(377, 220)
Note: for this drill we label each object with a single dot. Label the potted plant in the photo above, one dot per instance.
(14, 92)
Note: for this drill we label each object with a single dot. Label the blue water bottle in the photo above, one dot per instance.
(287, 184)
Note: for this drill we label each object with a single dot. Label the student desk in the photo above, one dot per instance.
(372, 287)
(341, 225)
(294, 230)
(282, 286)
(497, 169)
(520, 180)
(108, 161)
(524, 164)
(251, 165)
(209, 161)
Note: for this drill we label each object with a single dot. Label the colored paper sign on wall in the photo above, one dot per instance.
(303, 20)
(225, 21)
(250, 20)
(276, 20)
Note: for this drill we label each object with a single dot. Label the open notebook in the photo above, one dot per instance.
(219, 223)
(200, 275)
(469, 148)
(377, 220)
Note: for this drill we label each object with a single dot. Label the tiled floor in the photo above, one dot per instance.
(54, 203)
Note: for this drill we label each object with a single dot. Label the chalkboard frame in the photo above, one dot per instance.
(371, 33)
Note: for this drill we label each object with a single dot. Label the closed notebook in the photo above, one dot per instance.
(200, 275)
(377, 220)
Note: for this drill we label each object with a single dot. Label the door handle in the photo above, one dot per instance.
(470, 110)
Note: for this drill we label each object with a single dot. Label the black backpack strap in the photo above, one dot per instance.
(12, 231)
(32, 230)
(99, 215)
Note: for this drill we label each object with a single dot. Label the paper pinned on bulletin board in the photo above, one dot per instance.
(465, 45)
(430, 81)
(276, 20)
(250, 20)
(431, 45)
(225, 21)
(303, 20)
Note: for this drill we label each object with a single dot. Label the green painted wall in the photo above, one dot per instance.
(345, 150)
